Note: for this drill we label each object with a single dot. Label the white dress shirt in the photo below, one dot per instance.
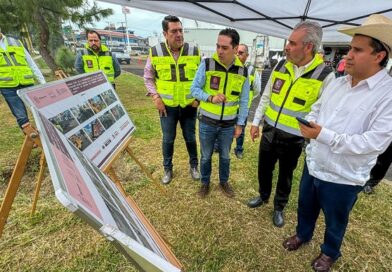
(34, 68)
(266, 97)
(356, 127)
(256, 85)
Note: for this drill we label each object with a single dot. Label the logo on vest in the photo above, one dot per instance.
(277, 86)
(89, 63)
(214, 83)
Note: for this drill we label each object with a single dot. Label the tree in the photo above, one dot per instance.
(45, 17)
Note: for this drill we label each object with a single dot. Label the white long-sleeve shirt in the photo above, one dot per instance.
(266, 96)
(356, 127)
(256, 85)
(34, 68)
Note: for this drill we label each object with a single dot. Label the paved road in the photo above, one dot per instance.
(137, 67)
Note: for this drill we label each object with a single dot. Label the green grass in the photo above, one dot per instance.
(215, 234)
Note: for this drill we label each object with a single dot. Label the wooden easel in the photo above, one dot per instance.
(16, 177)
(18, 173)
(22, 160)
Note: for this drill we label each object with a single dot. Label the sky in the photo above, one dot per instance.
(144, 23)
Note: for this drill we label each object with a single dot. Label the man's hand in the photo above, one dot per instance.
(218, 98)
(254, 133)
(195, 103)
(310, 132)
(160, 106)
(237, 131)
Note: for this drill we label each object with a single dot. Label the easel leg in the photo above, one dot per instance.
(144, 169)
(116, 180)
(42, 164)
(14, 182)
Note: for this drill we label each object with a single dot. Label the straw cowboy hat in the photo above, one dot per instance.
(376, 26)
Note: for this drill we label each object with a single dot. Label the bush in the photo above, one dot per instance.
(65, 58)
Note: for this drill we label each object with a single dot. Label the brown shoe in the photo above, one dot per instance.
(322, 263)
(204, 190)
(292, 243)
(226, 189)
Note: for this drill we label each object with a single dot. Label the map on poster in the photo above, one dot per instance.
(85, 190)
(87, 110)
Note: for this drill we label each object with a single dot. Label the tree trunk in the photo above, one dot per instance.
(44, 41)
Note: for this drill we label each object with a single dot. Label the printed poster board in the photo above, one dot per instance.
(87, 110)
(85, 190)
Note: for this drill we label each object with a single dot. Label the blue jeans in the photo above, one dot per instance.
(336, 202)
(16, 104)
(240, 140)
(187, 118)
(208, 135)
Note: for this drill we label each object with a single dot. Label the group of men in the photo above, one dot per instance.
(348, 120)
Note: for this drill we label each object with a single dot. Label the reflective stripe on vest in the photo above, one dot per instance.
(228, 82)
(14, 69)
(174, 79)
(294, 98)
(102, 61)
(251, 73)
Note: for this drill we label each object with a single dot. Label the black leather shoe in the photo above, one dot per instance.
(278, 219)
(194, 173)
(256, 202)
(167, 176)
(368, 189)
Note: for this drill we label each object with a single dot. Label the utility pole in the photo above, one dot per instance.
(126, 11)
(110, 32)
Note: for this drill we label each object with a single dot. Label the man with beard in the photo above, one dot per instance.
(96, 56)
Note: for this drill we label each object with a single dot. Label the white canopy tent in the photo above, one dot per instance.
(271, 17)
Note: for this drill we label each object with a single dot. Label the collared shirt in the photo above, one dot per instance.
(34, 68)
(198, 92)
(356, 127)
(149, 73)
(266, 97)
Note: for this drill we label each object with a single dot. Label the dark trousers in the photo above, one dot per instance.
(269, 154)
(336, 202)
(380, 169)
(187, 118)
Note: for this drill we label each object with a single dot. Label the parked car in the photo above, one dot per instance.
(121, 55)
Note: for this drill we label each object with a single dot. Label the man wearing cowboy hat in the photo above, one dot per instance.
(350, 126)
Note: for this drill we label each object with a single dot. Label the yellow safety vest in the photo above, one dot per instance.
(174, 79)
(251, 73)
(14, 69)
(102, 61)
(228, 82)
(293, 98)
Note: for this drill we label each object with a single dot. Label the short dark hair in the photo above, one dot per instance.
(91, 31)
(233, 34)
(169, 19)
(378, 47)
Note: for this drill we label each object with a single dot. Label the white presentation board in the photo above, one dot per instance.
(87, 110)
(85, 190)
